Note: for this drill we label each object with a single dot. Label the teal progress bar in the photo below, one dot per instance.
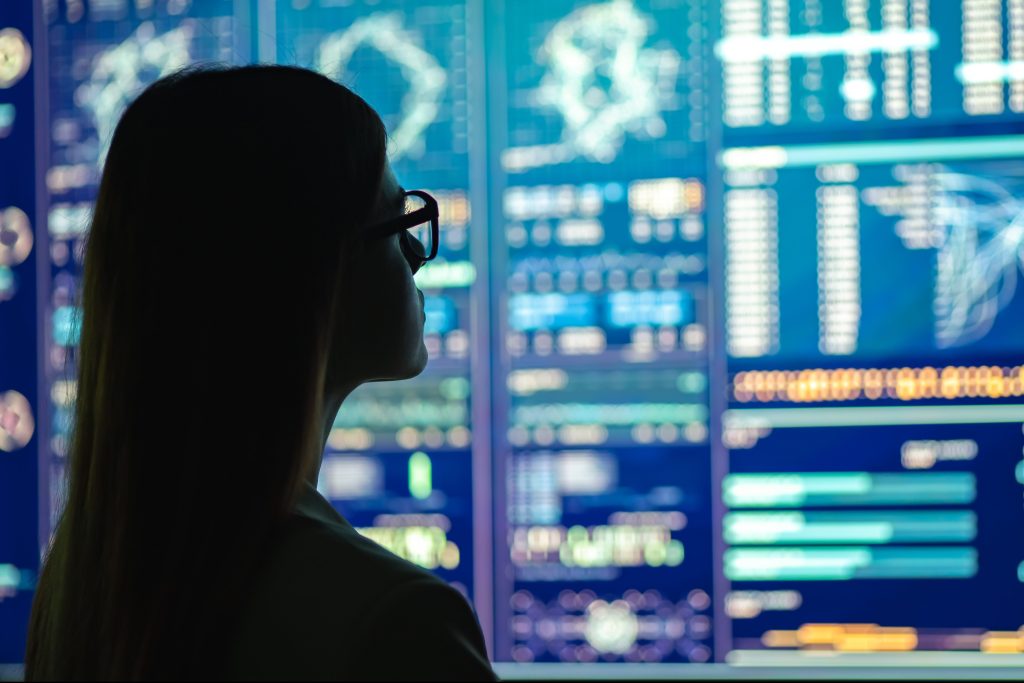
(845, 564)
(781, 418)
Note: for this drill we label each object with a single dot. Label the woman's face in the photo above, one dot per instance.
(380, 333)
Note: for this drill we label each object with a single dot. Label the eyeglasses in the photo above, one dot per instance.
(418, 226)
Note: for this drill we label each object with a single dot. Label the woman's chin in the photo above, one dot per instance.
(413, 367)
(420, 363)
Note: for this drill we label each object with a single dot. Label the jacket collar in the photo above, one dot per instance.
(314, 506)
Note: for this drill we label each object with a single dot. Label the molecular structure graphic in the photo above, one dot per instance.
(604, 83)
(119, 73)
(426, 78)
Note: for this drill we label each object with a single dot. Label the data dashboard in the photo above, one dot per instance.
(724, 333)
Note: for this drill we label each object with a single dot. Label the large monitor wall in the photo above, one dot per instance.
(725, 339)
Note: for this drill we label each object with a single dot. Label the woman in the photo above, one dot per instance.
(248, 266)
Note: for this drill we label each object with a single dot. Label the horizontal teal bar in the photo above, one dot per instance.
(782, 418)
(834, 489)
(847, 564)
(874, 152)
(875, 527)
(609, 414)
(393, 413)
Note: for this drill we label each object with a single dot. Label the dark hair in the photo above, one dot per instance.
(216, 252)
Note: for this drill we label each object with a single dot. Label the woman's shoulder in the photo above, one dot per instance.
(337, 556)
(317, 529)
(319, 555)
(327, 600)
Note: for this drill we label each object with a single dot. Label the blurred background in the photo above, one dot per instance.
(726, 348)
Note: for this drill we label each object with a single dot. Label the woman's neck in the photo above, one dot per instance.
(330, 404)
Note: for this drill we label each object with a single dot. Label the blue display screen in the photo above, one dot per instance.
(601, 251)
(724, 332)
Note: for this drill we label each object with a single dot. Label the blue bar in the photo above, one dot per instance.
(650, 307)
(529, 312)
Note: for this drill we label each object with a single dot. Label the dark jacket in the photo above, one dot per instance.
(333, 605)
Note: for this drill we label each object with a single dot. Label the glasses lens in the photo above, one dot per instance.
(420, 236)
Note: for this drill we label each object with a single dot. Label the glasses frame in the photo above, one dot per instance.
(430, 213)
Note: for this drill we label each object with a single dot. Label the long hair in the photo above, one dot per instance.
(216, 252)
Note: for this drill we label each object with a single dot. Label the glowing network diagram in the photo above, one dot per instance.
(119, 73)
(604, 82)
(386, 33)
(980, 225)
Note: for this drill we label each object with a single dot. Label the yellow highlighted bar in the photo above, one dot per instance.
(868, 638)
(873, 384)
(1008, 642)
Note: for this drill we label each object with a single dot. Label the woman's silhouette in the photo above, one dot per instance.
(248, 266)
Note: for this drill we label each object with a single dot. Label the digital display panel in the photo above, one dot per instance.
(874, 381)
(601, 255)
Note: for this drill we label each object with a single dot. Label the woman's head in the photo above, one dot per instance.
(264, 179)
(228, 293)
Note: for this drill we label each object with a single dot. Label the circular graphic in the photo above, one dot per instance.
(16, 423)
(15, 57)
(611, 627)
(15, 236)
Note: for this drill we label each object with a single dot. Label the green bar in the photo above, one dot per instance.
(421, 476)
(799, 489)
(781, 418)
(446, 274)
(945, 149)
(876, 527)
(846, 564)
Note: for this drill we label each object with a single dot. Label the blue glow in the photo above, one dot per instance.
(441, 315)
(551, 311)
(667, 307)
(66, 326)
